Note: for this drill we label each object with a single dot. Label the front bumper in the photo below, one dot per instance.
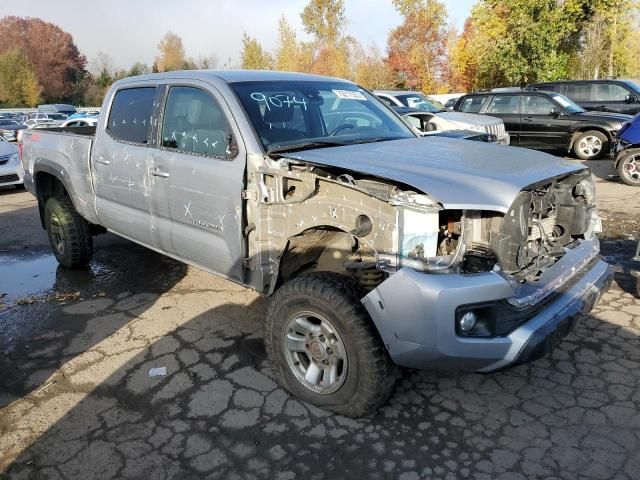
(415, 314)
(11, 174)
(504, 139)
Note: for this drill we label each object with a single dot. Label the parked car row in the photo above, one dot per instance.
(11, 172)
(14, 124)
(540, 119)
(433, 116)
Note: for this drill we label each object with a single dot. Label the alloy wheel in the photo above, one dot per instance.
(590, 146)
(315, 352)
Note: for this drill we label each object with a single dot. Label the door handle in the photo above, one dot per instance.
(156, 172)
(103, 161)
(529, 119)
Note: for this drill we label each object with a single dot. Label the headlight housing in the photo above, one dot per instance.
(14, 158)
(586, 188)
(420, 233)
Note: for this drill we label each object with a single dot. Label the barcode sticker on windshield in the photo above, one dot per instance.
(349, 95)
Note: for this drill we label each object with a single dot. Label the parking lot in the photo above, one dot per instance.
(77, 399)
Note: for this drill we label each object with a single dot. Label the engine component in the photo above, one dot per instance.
(478, 258)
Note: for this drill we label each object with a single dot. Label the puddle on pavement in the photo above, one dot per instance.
(33, 275)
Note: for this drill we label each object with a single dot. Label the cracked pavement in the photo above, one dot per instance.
(77, 401)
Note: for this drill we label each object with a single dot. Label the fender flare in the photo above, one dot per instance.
(60, 174)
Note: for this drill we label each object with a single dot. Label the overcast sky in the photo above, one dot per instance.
(129, 30)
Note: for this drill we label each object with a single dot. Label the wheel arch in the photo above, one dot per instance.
(585, 128)
(47, 184)
(624, 153)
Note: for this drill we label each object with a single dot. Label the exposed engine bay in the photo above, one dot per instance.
(535, 232)
(539, 225)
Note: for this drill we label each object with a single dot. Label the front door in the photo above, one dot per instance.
(507, 108)
(119, 165)
(198, 182)
(542, 123)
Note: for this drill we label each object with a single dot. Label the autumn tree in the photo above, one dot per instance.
(370, 68)
(463, 61)
(416, 47)
(172, 55)
(253, 56)
(287, 57)
(19, 85)
(51, 52)
(325, 21)
(606, 45)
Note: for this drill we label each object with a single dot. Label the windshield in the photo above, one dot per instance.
(57, 116)
(567, 104)
(6, 123)
(420, 101)
(633, 85)
(309, 114)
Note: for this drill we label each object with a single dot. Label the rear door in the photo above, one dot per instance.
(539, 127)
(507, 108)
(581, 93)
(198, 180)
(120, 163)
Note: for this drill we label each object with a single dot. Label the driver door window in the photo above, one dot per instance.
(194, 123)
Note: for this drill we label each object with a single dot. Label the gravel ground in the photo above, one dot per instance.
(77, 402)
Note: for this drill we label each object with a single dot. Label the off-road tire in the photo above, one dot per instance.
(606, 145)
(77, 240)
(371, 375)
(624, 176)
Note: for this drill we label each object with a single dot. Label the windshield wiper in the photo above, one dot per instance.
(302, 146)
(372, 140)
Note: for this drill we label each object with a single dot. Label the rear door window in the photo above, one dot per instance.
(579, 92)
(472, 104)
(505, 104)
(130, 115)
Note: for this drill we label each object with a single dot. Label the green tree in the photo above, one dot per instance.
(523, 41)
(19, 85)
(253, 56)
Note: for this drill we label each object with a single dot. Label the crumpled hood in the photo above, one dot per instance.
(459, 174)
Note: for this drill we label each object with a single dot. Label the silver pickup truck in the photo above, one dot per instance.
(377, 249)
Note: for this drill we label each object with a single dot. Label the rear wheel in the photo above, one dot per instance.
(325, 346)
(69, 233)
(629, 168)
(591, 145)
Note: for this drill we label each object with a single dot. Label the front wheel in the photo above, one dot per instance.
(629, 168)
(325, 346)
(591, 145)
(69, 233)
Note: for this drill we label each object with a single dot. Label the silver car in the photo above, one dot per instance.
(461, 121)
(11, 171)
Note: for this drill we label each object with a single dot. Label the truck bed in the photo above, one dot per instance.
(67, 153)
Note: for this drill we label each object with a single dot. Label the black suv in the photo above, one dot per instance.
(538, 119)
(621, 96)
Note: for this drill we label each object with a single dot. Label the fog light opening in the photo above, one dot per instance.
(468, 322)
